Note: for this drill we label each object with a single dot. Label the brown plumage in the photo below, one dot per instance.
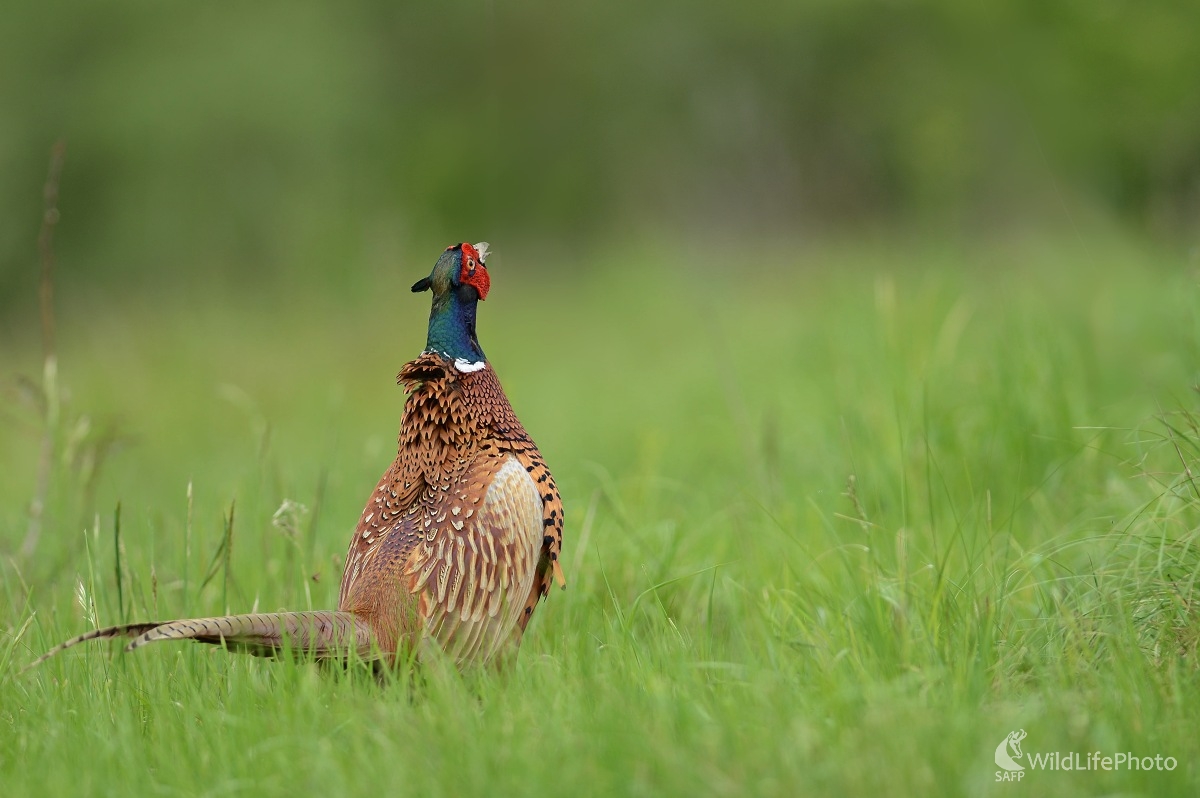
(467, 520)
(461, 537)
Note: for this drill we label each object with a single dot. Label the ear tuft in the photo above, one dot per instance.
(421, 285)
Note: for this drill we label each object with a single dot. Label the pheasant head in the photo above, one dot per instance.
(459, 280)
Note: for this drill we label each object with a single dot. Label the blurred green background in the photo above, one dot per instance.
(859, 336)
(324, 143)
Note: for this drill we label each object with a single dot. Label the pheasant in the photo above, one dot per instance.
(460, 539)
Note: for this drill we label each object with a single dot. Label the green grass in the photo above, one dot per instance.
(839, 520)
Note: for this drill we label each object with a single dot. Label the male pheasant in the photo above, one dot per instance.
(460, 539)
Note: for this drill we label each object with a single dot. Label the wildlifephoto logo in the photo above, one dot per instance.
(1008, 752)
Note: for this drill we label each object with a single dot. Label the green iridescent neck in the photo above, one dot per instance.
(452, 326)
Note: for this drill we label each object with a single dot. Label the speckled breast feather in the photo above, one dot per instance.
(459, 540)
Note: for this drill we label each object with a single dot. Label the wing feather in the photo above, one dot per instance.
(486, 564)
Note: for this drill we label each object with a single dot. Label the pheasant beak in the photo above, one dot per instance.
(472, 270)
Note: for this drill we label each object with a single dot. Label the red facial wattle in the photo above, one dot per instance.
(474, 273)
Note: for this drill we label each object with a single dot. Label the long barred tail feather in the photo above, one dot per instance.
(324, 635)
(128, 630)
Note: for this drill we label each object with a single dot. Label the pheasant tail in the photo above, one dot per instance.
(324, 635)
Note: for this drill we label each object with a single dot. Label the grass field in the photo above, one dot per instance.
(839, 520)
